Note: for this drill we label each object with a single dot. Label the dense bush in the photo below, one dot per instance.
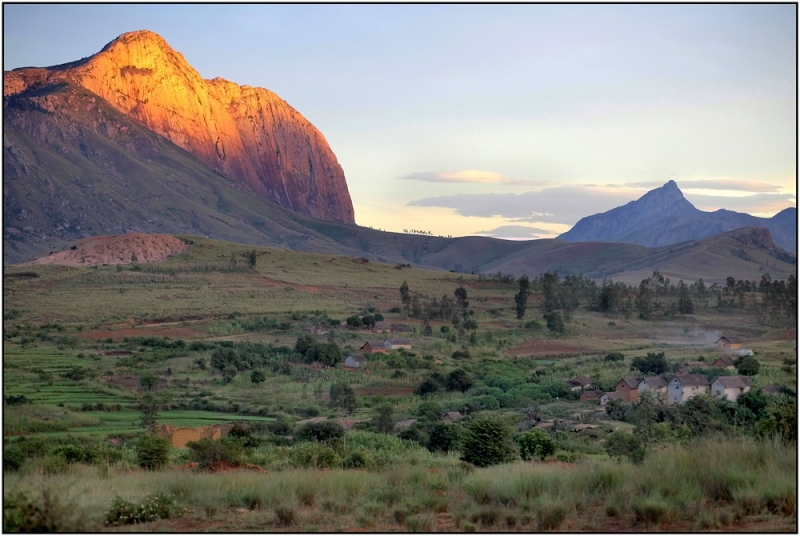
(152, 452)
(445, 437)
(653, 364)
(488, 442)
(622, 444)
(536, 444)
(47, 514)
(155, 507)
(320, 431)
(208, 452)
(614, 356)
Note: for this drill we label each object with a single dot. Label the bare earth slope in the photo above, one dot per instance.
(133, 247)
(248, 134)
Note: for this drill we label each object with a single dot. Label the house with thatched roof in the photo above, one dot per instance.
(608, 397)
(373, 347)
(725, 362)
(591, 396)
(396, 344)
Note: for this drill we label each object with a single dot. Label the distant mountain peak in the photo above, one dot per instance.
(663, 216)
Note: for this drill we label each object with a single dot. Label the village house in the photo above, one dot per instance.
(725, 362)
(728, 344)
(608, 397)
(685, 386)
(653, 383)
(731, 386)
(591, 396)
(579, 383)
(629, 387)
(452, 416)
(402, 328)
(373, 347)
(354, 361)
(396, 344)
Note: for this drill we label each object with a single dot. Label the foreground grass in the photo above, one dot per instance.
(710, 484)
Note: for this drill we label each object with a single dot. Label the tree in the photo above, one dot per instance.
(252, 259)
(329, 354)
(646, 415)
(554, 321)
(427, 387)
(622, 444)
(258, 376)
(445, 437)
(536, 444)
(488, 442)
(461, 300)
(355, 321)
(550, 289)
(459, 380)
(748, 366)
(685, 305)
(644, 299)
(385, 421)
(343, 397)
(654, 363)
(521, 297)
(149, 407)
(320, 431)
(368, 321)
(229, 373)
(221, 358)
(304, 343)
(405, 297)
(148, 381)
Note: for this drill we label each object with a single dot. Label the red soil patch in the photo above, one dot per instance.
(116, 250)
(546, 347)
(787, 335)
(174, 332)
(385, 391)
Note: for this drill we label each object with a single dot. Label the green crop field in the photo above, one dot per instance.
(86, 348)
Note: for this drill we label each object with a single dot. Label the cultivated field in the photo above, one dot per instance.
(85, 348)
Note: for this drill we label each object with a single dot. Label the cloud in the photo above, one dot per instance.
(564, 205)
(517, 231)
(762, 203)
(468, 176)
(712, 184)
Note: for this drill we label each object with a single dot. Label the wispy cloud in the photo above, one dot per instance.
(713, 184)
(564, 205)
(515, 232)
(470, 176)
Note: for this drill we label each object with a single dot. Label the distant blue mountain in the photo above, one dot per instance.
(663, 216)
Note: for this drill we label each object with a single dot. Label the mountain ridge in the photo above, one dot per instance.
(663, 216)
(248, 134)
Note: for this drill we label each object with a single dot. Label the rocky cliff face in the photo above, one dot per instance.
(663, 217)
(248, 134)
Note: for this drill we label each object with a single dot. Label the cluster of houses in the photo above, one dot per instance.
(354, 361)
(680, 388)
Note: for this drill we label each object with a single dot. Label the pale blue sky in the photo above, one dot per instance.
(423, 101)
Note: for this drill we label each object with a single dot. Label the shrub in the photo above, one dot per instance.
(152, 452)
(614, 356)
(13, 458)
(622, 444)
(554, 321)
(460, 354)
(748, 366)
(651, 510)
(285, 515)
(427, 387)
(49, 514)
(488, 442)
(315, 455)
(155, 507)
(551, 515)
(536, 443)
(320, 431)
(207, 452)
